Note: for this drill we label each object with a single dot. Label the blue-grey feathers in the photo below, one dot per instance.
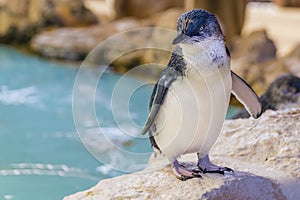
(175, 69)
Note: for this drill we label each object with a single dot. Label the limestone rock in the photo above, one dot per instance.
(67, 13)
(20, 20)
(162, 184)
(271, 142)
(263, 152)
(292, 61)
(287, 3)
(148, 7)
(254, 48)
(76, 43)
(283, 93)
(167, 22)
(254, 59)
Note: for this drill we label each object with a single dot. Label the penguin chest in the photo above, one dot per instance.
(193, 113)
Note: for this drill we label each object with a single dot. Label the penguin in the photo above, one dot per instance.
(190, 100)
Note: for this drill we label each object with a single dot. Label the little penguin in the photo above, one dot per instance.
(190, 100)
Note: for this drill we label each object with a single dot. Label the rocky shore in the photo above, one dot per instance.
(57, 31)
(264, 154)
(21, 20)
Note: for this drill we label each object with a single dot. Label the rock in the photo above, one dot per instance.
(295, 3)
(254, 48)
(283, 93)
(161, 184)
(20, 20)
(67, 13)
(292, 61)
(271, 142)
(148, 7)
(263, 152)
(76, 43)
(65, 43)
(166, 22)
(254, 59)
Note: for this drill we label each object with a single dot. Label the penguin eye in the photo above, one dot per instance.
(201, 28)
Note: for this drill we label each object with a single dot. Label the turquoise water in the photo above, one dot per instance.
(41, 154)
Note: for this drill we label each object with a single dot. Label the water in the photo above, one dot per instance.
(42, 156)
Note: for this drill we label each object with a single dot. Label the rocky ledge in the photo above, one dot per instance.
(265, 154)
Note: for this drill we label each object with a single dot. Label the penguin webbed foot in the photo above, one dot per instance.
(183, 173)
(206, 166)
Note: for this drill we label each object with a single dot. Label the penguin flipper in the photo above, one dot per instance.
(158, 95)
(246, 95)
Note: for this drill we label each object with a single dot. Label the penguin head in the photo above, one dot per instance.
(196, 26)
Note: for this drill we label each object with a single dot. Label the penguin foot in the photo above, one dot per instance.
(183, 173)
(206, 166)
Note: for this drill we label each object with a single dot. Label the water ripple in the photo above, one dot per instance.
(46, 169)
(23, 96)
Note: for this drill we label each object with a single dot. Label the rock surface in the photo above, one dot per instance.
(76, 43)
(20, 20)
(133, 8)
(257, 47)
(265, 154)
(287, 3)
(254, 59)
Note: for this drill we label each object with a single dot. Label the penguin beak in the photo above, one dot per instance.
(179, 38)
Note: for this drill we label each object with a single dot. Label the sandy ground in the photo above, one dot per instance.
(282, 24)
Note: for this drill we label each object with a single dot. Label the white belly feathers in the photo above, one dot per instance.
(193, 116)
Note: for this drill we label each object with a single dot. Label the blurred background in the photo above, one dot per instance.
(43, 44)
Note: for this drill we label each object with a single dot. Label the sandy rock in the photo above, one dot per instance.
(162, 184)
(292, 61)
(264, 154)
(254, 59)
(168, 19)
(149, 7)
(76, 43)
(254, 48)
(167, 22)
(287, 3)
(20, 20)
(68, 13)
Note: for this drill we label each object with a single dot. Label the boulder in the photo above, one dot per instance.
(295, 3)
(263, 152)
(166, 22)
(254, 59)
(292, 61)
(20, 20)
(76, 43)
(254, 48)
(133, 8)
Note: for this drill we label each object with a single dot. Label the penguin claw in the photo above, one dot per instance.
(206, 166)
(197, 175)
(182, 173)
(197, 170)
(184, 178)
(220, 170)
